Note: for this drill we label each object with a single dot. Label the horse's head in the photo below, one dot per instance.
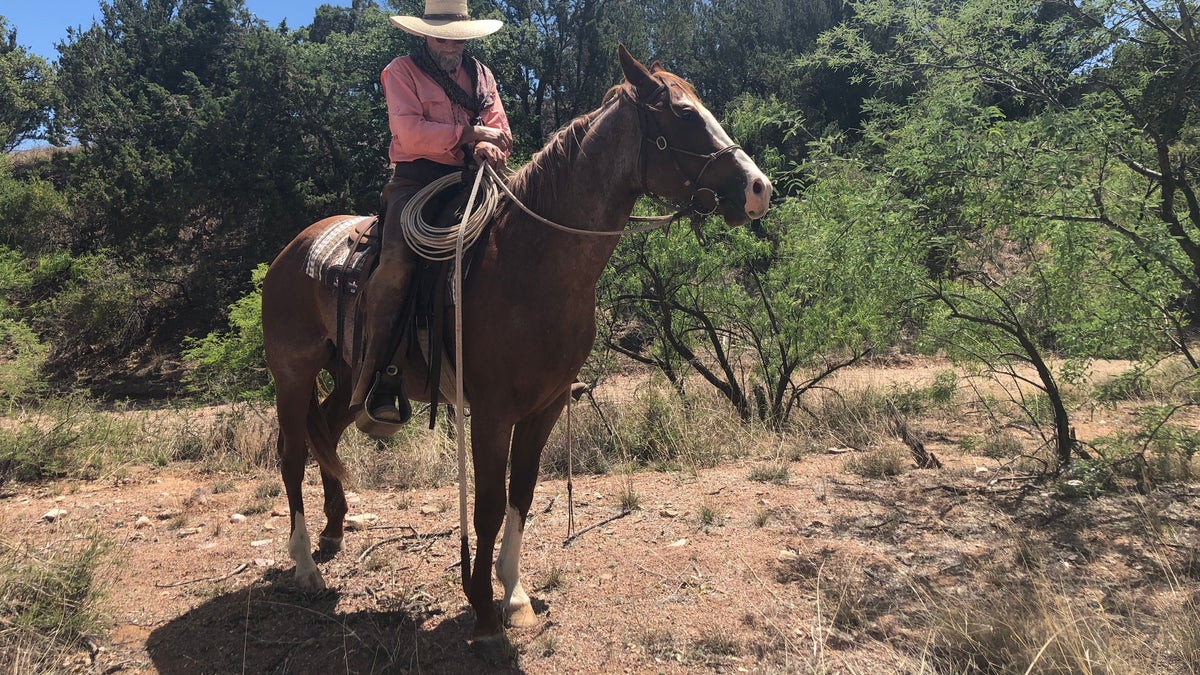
(686, 155)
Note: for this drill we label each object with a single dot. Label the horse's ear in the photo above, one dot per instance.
(656, 66)
(635, 73)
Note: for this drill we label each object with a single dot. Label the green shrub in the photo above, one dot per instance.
(28, 210)
(22, 356)
(231, 364)
(89, 307)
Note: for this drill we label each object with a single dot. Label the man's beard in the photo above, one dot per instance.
(448, 63)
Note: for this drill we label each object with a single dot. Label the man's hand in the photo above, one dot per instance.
(488, 152)
(499, 138)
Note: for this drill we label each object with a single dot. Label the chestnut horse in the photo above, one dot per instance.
(528, 313)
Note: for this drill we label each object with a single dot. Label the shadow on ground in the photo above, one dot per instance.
(272, 627)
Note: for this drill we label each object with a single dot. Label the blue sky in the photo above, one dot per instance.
(40, 24)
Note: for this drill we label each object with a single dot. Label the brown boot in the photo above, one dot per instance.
(388, 404)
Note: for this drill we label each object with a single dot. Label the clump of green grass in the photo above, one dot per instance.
(66, 438)
(630, 500)
(556, 578)
(858, 419)
(1023, 627)
(995, 445)
(709, 516)
(48, 602)
(255, 507)
(268, 489)
(717, 643)
(912, 400)
(222, 486)
(761, 517)
(546, 645)
(778, 473)
(878, 463)
(415, 458)
(658, 643)
(657, 428)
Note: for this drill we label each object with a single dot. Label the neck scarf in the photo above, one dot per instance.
(474, 102)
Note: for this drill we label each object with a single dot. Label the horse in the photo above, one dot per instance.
(528, 314)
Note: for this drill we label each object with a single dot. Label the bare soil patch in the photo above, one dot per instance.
(824, 571)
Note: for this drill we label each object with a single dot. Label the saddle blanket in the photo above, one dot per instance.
(338, 253)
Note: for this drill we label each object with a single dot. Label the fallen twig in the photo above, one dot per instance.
(414, 535)
(573, 537)
(237, 570)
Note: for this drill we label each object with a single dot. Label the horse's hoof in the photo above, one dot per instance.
(521, 616)
(496, 649)
(310, 581)
(329, 545)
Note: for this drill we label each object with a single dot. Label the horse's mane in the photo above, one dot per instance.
(537, 183)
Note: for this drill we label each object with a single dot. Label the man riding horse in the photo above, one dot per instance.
(443, 109)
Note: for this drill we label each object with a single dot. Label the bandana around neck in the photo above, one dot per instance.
(474, 102)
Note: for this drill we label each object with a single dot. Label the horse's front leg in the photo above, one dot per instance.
(529, 437)
(489, 450)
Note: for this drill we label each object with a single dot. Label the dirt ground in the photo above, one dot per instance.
(826, 572)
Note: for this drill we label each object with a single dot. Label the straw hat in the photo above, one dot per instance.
(447, 19)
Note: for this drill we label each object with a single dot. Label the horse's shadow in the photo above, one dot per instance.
(271, 626)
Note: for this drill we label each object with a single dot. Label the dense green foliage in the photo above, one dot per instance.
(1006, 181)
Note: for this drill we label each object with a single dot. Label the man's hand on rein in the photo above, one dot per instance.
(487, 152)
(481, 134)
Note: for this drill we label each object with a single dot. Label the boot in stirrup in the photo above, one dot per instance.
(387, 405)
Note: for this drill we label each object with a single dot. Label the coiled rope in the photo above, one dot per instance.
(439, 243)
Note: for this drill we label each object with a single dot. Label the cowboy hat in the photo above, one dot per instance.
(447, 19)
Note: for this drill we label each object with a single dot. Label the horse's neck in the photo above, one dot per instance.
(597, 186)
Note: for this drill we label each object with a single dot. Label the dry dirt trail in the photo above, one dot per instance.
(828, 572)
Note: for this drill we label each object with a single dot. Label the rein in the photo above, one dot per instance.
(435, 243)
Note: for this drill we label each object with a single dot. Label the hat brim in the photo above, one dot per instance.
(447, 30)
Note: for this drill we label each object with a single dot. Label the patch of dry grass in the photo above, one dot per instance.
(49, 604)
(416, 457)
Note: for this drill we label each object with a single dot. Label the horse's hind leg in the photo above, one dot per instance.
(292, 401)
(528, 439)
(335, 409)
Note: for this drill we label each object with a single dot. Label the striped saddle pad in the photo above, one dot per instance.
(341, 254)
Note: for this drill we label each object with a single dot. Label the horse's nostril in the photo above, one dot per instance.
(757, 187)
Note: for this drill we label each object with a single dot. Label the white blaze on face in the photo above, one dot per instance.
(758, 186)
(508, 563)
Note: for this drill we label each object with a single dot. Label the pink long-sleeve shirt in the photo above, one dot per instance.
(424, 123)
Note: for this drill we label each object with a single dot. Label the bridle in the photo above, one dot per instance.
(648, 105)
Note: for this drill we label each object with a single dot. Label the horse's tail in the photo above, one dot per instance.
(322, 442)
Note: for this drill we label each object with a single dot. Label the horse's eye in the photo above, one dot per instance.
(687, 113)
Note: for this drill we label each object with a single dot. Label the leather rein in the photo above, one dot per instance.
(648, 104)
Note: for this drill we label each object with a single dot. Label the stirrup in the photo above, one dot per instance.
(400, 404)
